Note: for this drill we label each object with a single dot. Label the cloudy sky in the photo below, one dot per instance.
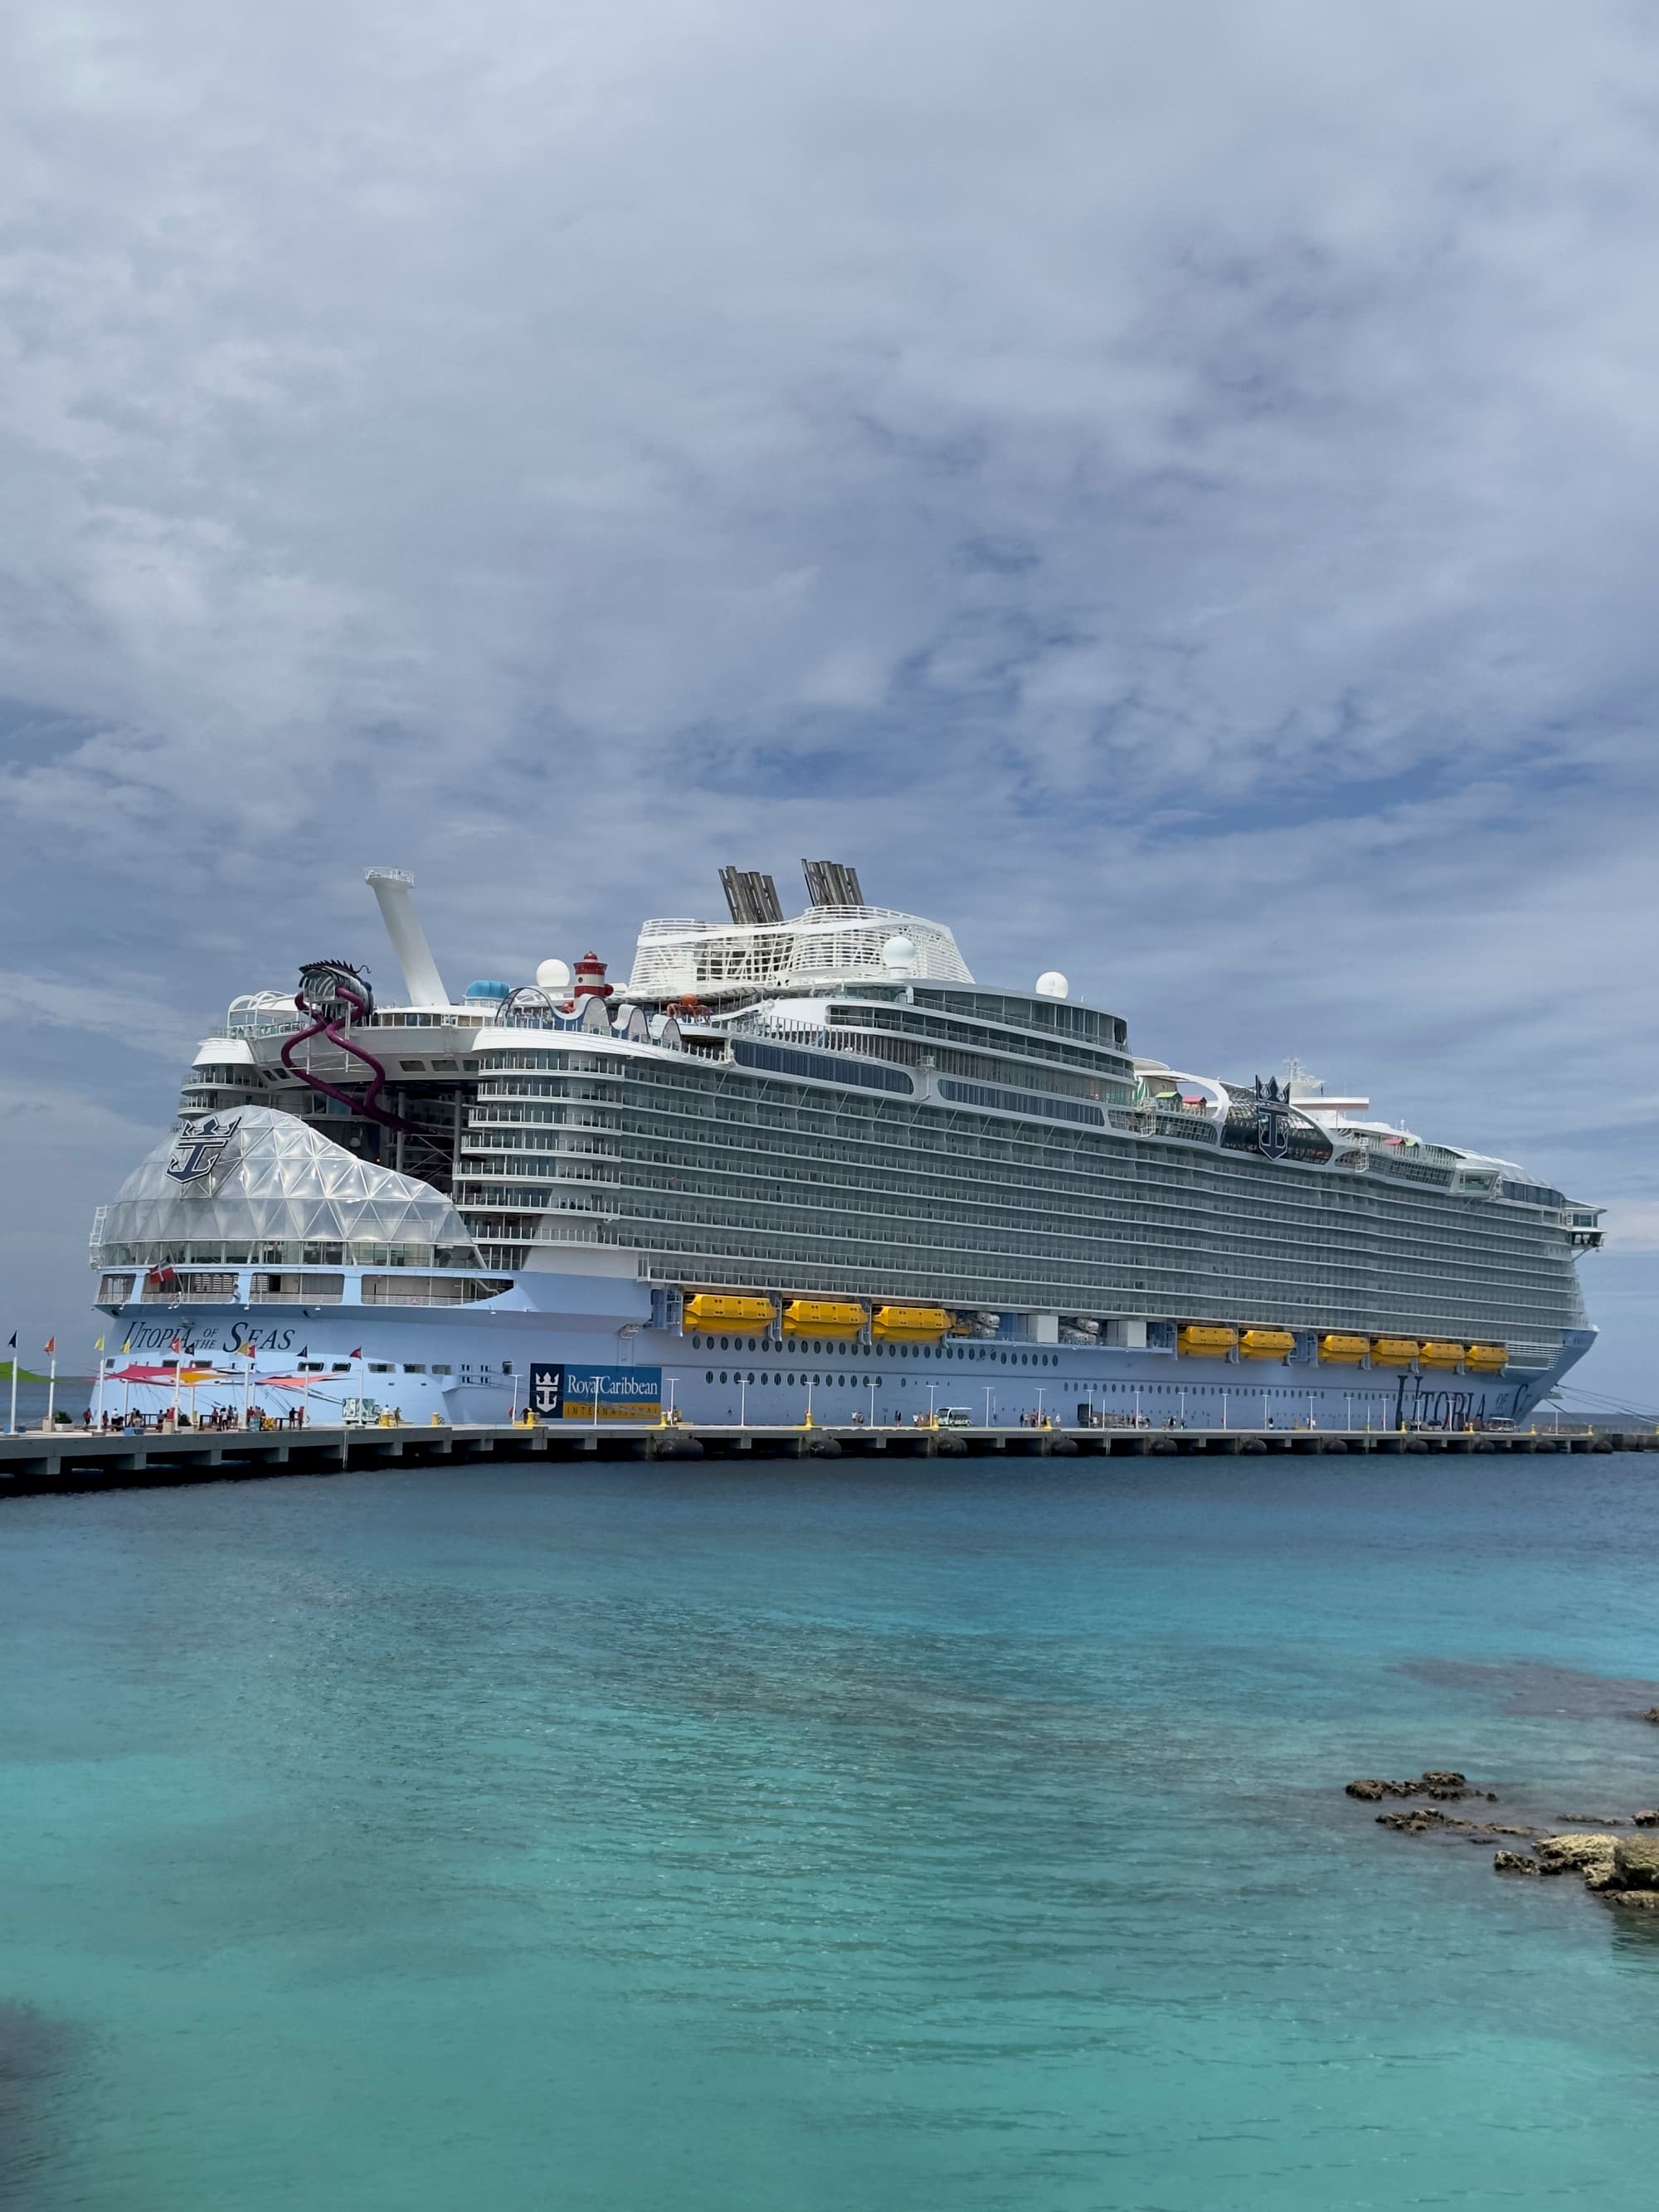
(1167, 486)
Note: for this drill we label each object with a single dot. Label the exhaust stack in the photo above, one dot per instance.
(392, 887)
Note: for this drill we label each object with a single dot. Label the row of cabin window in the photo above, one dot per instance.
(885, 1351)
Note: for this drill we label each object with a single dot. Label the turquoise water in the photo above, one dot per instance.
(701, 1839)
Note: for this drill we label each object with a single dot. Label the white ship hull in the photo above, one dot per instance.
(491, 1361)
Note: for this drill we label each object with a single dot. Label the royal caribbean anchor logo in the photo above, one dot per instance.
(566, 1392)
(546, 1391)
(1273, 1119)
(200, 1148)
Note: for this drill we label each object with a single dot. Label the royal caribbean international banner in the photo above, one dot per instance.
(564, 1391)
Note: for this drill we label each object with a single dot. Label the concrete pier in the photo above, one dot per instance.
(71, 1460)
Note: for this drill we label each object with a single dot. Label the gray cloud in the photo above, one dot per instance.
(1168, 488)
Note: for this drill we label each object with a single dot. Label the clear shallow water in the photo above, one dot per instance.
(714, 1839)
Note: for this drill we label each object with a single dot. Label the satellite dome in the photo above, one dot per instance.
(554, 976)
(1052, 984)
(899, 953)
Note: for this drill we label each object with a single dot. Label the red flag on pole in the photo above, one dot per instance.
(357, 1354)
(49, 1346)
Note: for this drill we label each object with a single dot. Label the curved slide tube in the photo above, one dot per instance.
(367, 1106)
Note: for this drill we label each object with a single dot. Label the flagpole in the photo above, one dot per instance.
(51, 1389)
(102, 1363)
(247, 1380)
(13, 1431)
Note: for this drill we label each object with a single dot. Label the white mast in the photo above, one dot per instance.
(392, 887)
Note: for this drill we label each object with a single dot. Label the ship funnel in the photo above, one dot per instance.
(392, 887)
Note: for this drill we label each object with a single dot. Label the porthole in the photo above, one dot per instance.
(709, 1377)
(726, 1344)
(722, 1375)
(751, 1375)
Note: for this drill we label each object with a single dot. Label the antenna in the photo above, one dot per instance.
(392, 887)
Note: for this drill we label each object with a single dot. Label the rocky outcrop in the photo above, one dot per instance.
(1623, 1870)
(1439, 1781)
(1652, 1714)
(1587, 1853)
(1422, 1818)
(1636, 1861)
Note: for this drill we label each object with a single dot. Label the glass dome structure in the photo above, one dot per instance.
(256, 1185)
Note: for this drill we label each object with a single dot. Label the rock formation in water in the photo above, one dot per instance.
(1440, 1782)
(1622, 1870)
(1422, 1818)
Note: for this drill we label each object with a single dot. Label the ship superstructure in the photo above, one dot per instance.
(813, 1155)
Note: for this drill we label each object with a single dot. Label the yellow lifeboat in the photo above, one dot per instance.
(1436, 1354)
(1487, 1358)
(909, 1324)
(1200, 1340)
(1393, 1351)
(716, 1309)
(822, 1317)
(1266, 1344)
(1344, 1350)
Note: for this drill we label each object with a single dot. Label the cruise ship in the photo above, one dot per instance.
(799, 1170)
